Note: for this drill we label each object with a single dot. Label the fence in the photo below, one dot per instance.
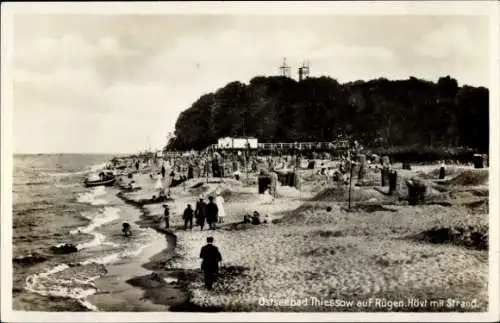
(293, 145)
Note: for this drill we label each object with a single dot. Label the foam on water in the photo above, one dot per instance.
(67, 185)
(97, 220)
(91, 197)
(46, 284)
(117, 256)
(98, 240)
(170, 280)
(109, 214)
(65, 174)
(53, 283)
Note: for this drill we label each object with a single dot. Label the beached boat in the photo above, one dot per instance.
(106, 179)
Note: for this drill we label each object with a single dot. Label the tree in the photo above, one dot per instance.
(412, 112)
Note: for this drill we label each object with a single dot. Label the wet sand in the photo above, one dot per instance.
(137, 283)
(148, 282)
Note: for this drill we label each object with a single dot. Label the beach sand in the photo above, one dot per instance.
(378, 249)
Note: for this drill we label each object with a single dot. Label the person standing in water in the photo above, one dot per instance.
(127, 232)
(210, 264)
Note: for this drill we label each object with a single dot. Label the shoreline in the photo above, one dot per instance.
(174, 294)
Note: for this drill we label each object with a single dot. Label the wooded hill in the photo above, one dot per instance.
(379, 113)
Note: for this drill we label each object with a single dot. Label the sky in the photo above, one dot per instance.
(117, 83)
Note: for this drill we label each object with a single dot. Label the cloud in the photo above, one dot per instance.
(45, 54)
(452, 41)
(251, 43)
(137, 74)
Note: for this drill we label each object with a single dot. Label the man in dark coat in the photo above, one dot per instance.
(163, 170)
(188, 217)
(212, 211)
(210, 264)
(200, 213)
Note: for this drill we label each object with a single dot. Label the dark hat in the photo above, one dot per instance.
(165, 205)
(210, 198)
(210, 239)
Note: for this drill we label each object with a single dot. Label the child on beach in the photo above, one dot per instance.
(126, 229)
(166, 216)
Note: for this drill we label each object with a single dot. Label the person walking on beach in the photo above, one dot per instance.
(212, 211)
(163, 171)
(219, 200)
(166, 216)
(210, 264)
(200, 213)
(188, 217)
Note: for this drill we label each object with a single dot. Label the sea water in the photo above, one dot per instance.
(51, 207)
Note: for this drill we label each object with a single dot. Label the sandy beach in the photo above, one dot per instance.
(381, 248)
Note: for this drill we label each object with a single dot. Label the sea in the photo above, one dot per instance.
(51, 208)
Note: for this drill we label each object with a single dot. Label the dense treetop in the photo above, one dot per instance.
(379, 112)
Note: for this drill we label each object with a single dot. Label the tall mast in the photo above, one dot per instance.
(285, 69)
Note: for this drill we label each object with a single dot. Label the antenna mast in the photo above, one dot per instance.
(304, 71)
(285, 69)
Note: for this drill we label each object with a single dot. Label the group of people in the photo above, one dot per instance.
(255, 218)
(210, 213)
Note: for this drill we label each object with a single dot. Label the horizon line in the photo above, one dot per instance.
(76, 153)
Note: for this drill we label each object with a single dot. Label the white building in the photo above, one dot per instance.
(237, 143)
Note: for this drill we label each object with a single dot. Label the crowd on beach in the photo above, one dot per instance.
(208, 212)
